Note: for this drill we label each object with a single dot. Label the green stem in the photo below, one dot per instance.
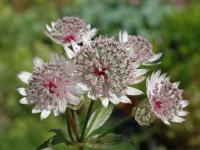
(89, 112)
(75, 125)
(116, 126)
(69, 126)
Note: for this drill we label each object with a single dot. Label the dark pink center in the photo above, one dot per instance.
(51, 86)
(158, 105)
(69, 38)
(99, 73)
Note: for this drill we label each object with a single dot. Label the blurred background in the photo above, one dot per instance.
(171, 25)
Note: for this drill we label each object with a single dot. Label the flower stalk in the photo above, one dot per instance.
(75, 125)
(69, 126)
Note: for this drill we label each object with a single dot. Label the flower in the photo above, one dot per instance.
(140, 49)
(53, 86)
(166, 98)
(70, 31)
(107, 71)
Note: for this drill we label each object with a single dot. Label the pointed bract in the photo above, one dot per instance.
(25, 76)
(22, 91)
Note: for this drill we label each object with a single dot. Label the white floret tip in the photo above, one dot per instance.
(25, 76)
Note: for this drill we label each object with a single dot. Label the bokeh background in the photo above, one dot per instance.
(173, 26)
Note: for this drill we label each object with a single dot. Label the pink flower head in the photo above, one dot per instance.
(53, 86)
(70, 31)
(140, 49)
(107, 71)
(166, 98)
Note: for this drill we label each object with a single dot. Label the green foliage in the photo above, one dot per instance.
(58, 138)
(180, 41)
(113, 15)
(99, 118)
(105, 142)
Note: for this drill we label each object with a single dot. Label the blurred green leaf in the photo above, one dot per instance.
(54, 140)
(45, 144)
(105, 142)
(98, 118)
(60, 136)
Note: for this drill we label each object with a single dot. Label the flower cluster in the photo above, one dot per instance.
(103, 67)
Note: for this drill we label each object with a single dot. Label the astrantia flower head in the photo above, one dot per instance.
(107, 71)
(140, 49)
(70, 31)
(166, 98)
(53, 86)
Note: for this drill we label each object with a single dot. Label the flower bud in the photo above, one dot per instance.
(143, 114)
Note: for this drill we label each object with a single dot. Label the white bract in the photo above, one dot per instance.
(139, 48)
(108, 71)
(70, 31)
(53, 86)
(166, 98)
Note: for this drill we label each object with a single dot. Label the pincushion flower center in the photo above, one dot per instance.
(158, 105)
(69, 38)
(101, 72)
(51, 86)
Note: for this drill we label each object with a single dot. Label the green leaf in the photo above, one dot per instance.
(105, 142)
(98, 118)
(45, 144)
(54, 140)
(57, 131)
(58, 138)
